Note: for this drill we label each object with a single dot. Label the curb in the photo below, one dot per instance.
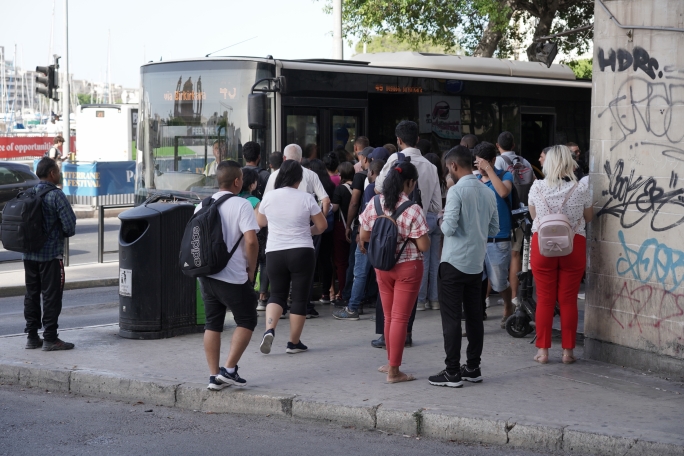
(20, 290)
(195, 396)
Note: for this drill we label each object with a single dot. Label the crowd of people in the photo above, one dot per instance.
(452, 242)
(400, 229)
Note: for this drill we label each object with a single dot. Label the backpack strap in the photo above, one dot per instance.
(567, 196)
(218, 203)
(405, 205)
(378, 205)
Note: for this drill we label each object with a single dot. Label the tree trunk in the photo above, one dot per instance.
(543, 29)
(491, 36)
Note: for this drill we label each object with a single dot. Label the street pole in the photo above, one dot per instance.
(66, 92)
(337, 30)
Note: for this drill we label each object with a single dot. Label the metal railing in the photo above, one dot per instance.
(100, 229)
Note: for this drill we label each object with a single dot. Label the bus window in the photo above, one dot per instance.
(345, 129)
(302, 128)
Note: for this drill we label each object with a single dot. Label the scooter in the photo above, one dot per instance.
(522, 321)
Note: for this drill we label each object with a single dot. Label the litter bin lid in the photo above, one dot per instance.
(139, 212)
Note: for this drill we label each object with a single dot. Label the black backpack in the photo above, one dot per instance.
(384, 235)
(203, 251)
(415, 195)
(22, 227)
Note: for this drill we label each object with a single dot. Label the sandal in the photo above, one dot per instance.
(541, 359)
(405, 378)
(383, 369)
(569, 359)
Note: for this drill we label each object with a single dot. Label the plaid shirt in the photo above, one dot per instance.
(59, 221)
(411, 224)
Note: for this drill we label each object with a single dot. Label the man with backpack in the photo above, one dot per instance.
(44, 268)
(232, 287)
(252, 153)
(523, 177)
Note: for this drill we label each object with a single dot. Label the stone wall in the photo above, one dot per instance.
(635, 276)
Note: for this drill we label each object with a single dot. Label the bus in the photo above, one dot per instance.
(195, 111)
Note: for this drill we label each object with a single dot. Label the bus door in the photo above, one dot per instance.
(320, 130)
(537, 131)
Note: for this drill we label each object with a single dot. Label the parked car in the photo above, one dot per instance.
(14, 178)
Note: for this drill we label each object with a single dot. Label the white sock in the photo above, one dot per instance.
(230, 370)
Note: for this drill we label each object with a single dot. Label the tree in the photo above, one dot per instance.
(582, 68)
(482, 28)
(390, 43)
(84, 99)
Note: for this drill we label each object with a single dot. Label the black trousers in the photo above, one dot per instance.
(380, 317)
(456, 287)
(46, 278)
(292, 265)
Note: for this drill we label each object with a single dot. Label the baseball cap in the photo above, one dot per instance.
(366, 151)
(379, 153)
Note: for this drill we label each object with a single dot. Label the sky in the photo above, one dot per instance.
(145, 30)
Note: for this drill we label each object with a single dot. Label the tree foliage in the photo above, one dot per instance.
(480, 27)
(582, 67)
(390, 43)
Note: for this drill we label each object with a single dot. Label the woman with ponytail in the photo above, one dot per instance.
(399, 286)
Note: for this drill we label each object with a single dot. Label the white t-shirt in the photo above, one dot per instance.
(310, 184)
(501, 163)
(237, 217)
(289, 212)
(573, 209)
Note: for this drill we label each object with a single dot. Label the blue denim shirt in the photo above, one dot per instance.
(59, 221)
(470, 217)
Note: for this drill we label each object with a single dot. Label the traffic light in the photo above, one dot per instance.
(48, 80)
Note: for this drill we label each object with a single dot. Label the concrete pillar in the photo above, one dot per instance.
(635, 277)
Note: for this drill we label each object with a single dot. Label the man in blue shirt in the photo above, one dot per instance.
(470, 217)
(498, 258)
(44, 269)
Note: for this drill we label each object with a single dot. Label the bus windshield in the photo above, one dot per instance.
(192, 116)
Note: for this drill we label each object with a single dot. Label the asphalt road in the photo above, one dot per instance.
(86, 307)
(37, 422)
(82, 246)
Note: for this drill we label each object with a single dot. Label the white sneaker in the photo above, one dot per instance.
(261, 305)
(422, 306)
(487, 302)
(515, 301)
(581, 296)
(434, 305)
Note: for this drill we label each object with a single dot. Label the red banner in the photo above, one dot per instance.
(28, 146)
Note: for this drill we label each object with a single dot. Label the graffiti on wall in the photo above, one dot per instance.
(632, 198)
(653, 261)
(647, 101)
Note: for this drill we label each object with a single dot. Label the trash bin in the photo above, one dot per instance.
(156, 300)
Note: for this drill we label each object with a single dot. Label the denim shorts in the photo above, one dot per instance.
(497, 264)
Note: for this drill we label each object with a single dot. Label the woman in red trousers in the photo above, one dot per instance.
(399, 286)
(558, 278)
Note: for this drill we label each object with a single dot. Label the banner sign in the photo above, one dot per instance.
(98, 178)
(28, 146)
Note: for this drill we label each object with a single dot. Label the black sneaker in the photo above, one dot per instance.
(215, 384)
(444, 379)
(230, 379)
(299, 347)
(34, 342)
(313, 313)
(267, 341)
(337, 302)
(57, 344)
(346, 313)
(469, 375)
(379, 342)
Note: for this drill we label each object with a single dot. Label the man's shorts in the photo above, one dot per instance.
(220, 296)
(497, 264)
(517, 238)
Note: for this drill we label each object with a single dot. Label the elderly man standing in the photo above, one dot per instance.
(470, 217)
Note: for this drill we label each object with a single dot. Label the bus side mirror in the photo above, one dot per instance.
(256, 110)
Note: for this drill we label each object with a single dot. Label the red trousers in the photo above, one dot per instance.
(340, 253)
(398, 291)
(558, 279)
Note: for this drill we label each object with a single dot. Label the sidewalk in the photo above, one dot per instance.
(585, 408)
(79, 276)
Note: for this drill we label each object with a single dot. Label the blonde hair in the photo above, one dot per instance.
(559, 164)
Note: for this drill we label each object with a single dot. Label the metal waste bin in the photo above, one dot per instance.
(156, 300)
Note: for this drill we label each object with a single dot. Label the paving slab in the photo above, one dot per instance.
(587, 407)
(79, 276)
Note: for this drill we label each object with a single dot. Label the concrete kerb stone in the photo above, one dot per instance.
(194, 396)
(361, 417)
(110, 386)
(57, 380)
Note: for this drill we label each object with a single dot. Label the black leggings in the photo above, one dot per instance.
(297, 266)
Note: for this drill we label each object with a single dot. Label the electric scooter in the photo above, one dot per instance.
(522, 321)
